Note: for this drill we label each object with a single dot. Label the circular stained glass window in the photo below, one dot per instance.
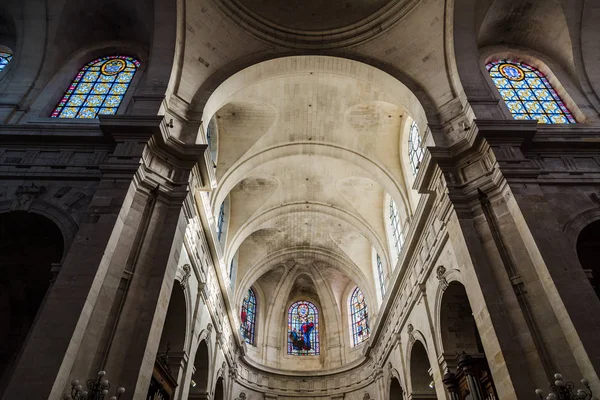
(113, 67)
(303, 311)
(512, 72)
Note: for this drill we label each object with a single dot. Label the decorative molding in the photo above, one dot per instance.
(242, 396)
(440, 274)
(25, 195)
(187, 272)
(351, 35)
(410, 329)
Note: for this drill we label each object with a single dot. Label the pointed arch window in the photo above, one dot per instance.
(528, 94)
(248, 317)
(359, 317)
(303, 329)
(98, 88)
(415, 148)
(380, 275)
(4, 59)
(396, 227)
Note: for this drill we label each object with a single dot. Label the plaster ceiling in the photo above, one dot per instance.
(306, 160)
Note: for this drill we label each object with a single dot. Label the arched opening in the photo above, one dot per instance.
(419, 373)
(588, 248)
(29, 245)
(201, 368)
(168, 369)
(460, 339)
(395, 390)
(219, 392)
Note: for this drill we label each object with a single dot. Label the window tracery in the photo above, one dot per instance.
(98, 88)
(396, 227)
(4, 59)
(528, 94)
(220, 221)
(415, 148)
(303, 329)
(380, 275)
(248, 317)
(359, 317)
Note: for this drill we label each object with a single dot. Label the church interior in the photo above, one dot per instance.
(299, 200)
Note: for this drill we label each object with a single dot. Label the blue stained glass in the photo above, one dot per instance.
(248, 317)
(95, 90)
(4, 59)
(359, 317)
(527, 93)
(303, 329)
(397, 234)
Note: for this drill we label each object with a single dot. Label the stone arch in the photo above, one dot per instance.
(219, 393)
(588, 248)
(419, 371)
(396, 392)
(31, 246)
(175, 327)
(457, 325)
(255, 223)
(357, 63)
(201, 374)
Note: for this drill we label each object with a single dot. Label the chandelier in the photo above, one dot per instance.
(95, 389)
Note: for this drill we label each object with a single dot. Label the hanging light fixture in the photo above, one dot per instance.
(95, 389)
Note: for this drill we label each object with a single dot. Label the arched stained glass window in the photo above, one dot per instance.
(415, 150)
(528, 94)
(98, 88)
(4, 59)
(397, 234)
(248, 317)
(380, 275)
(359, 317)
(303, 329)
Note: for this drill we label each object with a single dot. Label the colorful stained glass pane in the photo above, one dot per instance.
(83, 88)
(69, 112)
(303, 329)
(248, 317)
(4, 59)
(75, 100)
(98, 88)
(88, 112)
(112, 101)
(535, 97)
(118, 88)
(94, 101)
(107, 111)
(359, 317)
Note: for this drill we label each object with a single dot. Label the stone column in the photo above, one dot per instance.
(549, 190)
(56, 335)
(161, 183)
(107, 307)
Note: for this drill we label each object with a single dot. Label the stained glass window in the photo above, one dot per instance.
(359, 317)
(220, 221)
(4, 59)
(248, 317)
(397, 235)
(528, 94)
(381, 275)
(98, 88)
(415, 150)
(303, 329)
